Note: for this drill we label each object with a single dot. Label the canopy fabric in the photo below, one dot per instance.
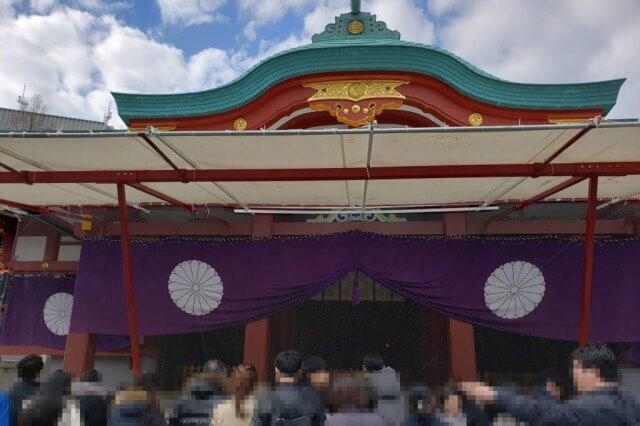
(39, 312)
(316, 150)
(527, 286)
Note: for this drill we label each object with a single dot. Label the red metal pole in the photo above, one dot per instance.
(128, 279)
(589, 241)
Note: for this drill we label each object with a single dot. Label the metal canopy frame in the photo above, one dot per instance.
(576, 172)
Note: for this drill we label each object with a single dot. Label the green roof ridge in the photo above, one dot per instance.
(337, 50)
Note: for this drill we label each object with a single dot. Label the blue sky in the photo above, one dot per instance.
(73, 52)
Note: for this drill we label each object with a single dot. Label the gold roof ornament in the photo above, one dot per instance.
(355, 27)
(476, 119)
(356, 102)
(240, 124)
(356, 90)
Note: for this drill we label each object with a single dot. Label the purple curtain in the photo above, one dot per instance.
(528, 286)
(38, 314)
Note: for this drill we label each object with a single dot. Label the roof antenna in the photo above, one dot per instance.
(355, 7)
(22, 100)
(107, 116)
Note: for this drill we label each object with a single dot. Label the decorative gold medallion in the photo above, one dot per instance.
(240, 124)
(355, 27)
(356, 102)
(475, 119)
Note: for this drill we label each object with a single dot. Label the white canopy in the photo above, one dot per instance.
(367, 150)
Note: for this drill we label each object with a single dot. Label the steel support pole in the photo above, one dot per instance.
(128, 280)
(589, 243)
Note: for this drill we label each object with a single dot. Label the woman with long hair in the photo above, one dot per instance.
(239, 409)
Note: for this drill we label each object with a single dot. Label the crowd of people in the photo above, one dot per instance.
(305, 392)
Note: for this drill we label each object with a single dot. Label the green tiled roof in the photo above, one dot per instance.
(375, 49)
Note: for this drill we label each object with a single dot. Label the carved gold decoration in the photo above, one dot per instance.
(568, 120)
(356, 102)
(348, 114)
(355, 90)
(355, 27)
(476, 119)
(240, 124)
(45, 265)
(160, 128)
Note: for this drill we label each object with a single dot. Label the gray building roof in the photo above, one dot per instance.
(13, 120)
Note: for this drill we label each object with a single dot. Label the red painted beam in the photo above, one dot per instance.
(27, 207)
(589, 244)
(128, 278)
(549, 192)
(159, 195)
(331, 174)
(568, 144)
(164, 156)
(60, 267)
(510, 227)
(164, 197)
(522, 204)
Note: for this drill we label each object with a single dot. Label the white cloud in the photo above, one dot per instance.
(73, 59)
(546, 41)
(103, 5)
(404, 16)
(42, 6)
(263, 13)
(190, 12)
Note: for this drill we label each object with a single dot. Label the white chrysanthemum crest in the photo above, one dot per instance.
(195, 287)
(514, 289)
(57, 313)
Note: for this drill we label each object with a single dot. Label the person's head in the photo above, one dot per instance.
(57, 385)
(350, 394)
(593, 366)
(91, 376)
(288, 364)
(372, 362)
(243, 379)
(450, 402)
(315, 371)
(214, 366)
(30, 366)
(554, 383)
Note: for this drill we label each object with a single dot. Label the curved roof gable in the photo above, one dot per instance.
(358, 42)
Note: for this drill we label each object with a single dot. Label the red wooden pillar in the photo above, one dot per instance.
(52, 247)
(128, 280)
(462, 345)
(589, 243)
(256, 334)
(8, 241)
(79, 353)
(436, 342)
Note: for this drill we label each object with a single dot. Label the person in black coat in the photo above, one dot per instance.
(290, 401)
(29, 369)
(92, 398)
(600, 401)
